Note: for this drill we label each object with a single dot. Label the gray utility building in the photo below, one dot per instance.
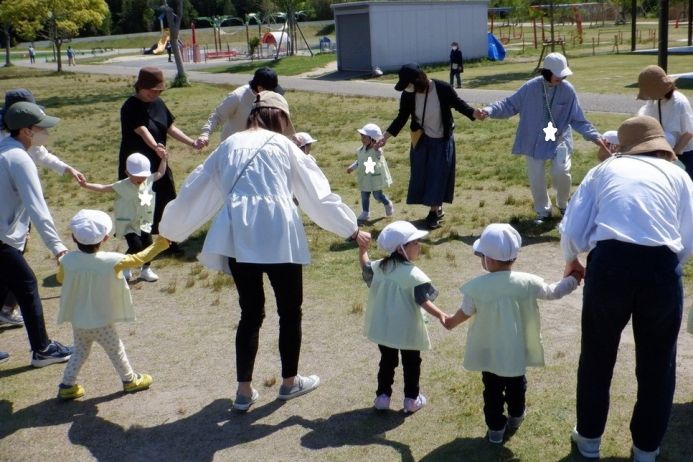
(388, 34)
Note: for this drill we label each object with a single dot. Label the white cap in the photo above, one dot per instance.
(557, 64)
(611, 136)
(303, 138)
(138, 165)
(499, 241)
(398, 233)
(90, 226)
(371, 130)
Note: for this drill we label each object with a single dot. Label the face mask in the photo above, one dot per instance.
(39, 138)
(410, 88)
(454, 48)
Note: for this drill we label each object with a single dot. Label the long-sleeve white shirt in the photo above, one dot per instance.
(256, 220)
(22, 199)
(232, 112)
(41, 156)
(636, 199)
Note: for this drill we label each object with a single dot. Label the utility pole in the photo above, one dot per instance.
(663, 34)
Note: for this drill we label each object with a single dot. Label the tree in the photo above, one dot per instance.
(17, 15)
(174, 19)
(63, 19)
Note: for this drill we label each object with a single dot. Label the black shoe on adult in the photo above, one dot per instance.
(432, 220)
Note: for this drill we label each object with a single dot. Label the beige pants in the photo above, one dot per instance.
(107, 337)
(560, 177)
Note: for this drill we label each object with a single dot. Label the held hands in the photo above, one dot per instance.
(574, 268)
(77, 175)
(363, 239)
(161, 150)
(481, 114)
(201, 142)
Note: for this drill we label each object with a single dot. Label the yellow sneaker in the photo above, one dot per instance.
(70, 392)
(140, 382)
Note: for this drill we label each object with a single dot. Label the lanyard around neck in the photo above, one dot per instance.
(549, 104)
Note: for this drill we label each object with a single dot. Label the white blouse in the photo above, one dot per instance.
(256, 220)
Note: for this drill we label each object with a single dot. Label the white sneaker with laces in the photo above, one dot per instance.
(412, 405)
(365, 215)
(148, 275)
(382, 402)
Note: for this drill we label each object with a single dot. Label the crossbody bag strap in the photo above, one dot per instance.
(240, 174)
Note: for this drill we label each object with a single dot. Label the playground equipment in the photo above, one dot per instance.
(160, 46)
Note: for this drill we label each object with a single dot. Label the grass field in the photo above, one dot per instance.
(184, 332)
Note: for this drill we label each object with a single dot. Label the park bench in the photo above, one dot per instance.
(221, 54)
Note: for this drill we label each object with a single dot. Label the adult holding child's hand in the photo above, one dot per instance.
(249, 183)
(146, 123)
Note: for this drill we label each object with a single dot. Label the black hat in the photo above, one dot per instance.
(267, 79)
(407, 74)
(16, 95)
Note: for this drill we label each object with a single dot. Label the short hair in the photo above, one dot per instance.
(547, 74)
(270, 118)
(93, 248)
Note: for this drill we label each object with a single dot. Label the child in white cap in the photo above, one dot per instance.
(610, 147)
(134, 207)
(95, 296)
(304, 141)
(504, 338)
(398, 291)
(371, 171)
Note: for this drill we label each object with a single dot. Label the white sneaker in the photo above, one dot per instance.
(412, 405)
(496, 436)
(644, 456)
(382, 402)
(12, 316)
(389, 209)
(588, 447)
(364, 216)
(148, 275)
(127, 275)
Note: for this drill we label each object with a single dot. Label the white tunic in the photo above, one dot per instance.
(232, 113)
(677, 116)
(257, 221)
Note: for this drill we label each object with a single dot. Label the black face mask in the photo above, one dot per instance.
(547, 74)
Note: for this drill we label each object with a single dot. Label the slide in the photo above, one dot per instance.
(160, 46)
(496, 51)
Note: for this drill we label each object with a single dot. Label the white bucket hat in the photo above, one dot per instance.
(557, 64)
(499, 241)
(303, 138)
(138, 165)
(90, 227)
(371, 130)
(397, 234)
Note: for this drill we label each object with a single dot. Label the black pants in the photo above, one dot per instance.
(17, 277)
(287, 282)
(623, 281)
(411, 367)
(138, 243)
(165, 190)
(499, 391)
(686, 159)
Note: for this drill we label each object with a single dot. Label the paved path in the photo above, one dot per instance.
(332, 84)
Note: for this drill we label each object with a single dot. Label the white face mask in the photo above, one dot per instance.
(39, 137)
(409, 88)
(454, 48)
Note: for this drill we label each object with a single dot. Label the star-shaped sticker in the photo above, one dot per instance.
(146, 198)
(550, 132)
(370, 165)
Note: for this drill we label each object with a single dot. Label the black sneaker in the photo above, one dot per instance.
(432, 220)
(55, 353)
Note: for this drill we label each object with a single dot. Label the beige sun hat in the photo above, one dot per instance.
(275, 100)
(654, 83)
(642, 134)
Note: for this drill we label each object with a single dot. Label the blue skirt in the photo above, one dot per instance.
(432, 171)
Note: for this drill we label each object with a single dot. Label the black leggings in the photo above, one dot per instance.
(287, 282)
(411, 367)
(138, 243)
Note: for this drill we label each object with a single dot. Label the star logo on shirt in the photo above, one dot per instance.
(146, 198)
(550, 132)
(369, 165)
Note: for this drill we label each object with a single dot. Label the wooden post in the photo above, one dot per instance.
(593, 51)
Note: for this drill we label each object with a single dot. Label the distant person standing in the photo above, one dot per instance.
(32, 54)
(169, 50)
(456, 64)
(71, 56)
